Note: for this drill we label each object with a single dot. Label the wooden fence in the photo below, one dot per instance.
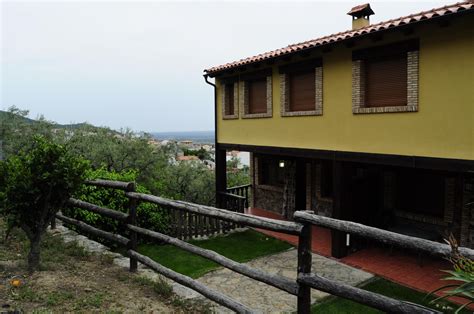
(302, 227)
(182, 224)
(236, 198)
(241, 190)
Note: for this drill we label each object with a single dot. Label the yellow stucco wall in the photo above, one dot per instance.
(443, 126)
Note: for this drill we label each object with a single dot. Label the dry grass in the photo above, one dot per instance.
(72, 280)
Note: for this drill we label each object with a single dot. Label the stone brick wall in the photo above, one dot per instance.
(282, 199)
(358, 85)
(289, 190)
(269, 198)
(266, 197)
(322, 206)
(412, 80)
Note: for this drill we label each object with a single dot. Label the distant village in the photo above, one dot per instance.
(189, 151)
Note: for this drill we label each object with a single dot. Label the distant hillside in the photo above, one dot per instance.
(204, 137)
(7, 115)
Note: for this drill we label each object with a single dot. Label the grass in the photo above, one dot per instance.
(94, 300)
(239, 246)
(58, 297)
(73, 279)
(385, 287)
(160, 286)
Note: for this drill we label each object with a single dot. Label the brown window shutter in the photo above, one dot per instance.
(386, 81)
(257, 95)
(302, 90)
(229, 99)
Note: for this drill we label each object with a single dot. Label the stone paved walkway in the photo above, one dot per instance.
(267, 299)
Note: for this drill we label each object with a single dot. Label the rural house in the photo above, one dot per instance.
(373, 125)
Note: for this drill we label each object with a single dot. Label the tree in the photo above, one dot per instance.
(201, 153)
(237, 174)
(35, 186)
(17, 130)
(117, 151)
(149, 215)
(187, 181)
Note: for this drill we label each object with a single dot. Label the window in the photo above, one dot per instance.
(385, 78)
(301, 88)
(270, 172)
(386, 82)
(229, 100)
(302, 91)
(256, 94)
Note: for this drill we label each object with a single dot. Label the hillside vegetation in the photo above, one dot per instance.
(119, 152)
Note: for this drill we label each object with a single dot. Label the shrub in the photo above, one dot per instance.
(149, 216)
(35, 185)
(462, 277)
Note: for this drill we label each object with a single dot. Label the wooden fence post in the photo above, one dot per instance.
(304, 267)
(132, 220)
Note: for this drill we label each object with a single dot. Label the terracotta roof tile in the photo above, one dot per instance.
(425, 15)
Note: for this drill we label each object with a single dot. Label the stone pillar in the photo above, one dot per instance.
(289, 190)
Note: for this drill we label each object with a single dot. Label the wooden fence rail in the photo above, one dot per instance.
(97, 209)
(222, 214)
(193, 284)
(400, 240)
(276, 281)
(371, 299)
(117, 238)
(302, 227)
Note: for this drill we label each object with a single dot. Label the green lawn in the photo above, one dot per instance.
(382, 286)
(239, 246)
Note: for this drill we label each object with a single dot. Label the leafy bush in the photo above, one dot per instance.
(190, 182)
(35, 184)
(149, 216)
(462, 277)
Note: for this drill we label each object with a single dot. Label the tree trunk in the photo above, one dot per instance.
(34, 254)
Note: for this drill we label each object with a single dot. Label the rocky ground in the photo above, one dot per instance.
(73, 280)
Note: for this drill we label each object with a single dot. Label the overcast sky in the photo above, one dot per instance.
(140, 64)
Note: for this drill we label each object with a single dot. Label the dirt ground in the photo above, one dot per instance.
(72, 280)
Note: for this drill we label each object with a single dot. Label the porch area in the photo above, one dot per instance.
(412, 199)
(400, 266)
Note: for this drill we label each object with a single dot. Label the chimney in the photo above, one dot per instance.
(360, 15)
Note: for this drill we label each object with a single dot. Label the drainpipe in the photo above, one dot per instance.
(221, 182)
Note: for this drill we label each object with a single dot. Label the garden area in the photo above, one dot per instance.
(71, 279)
(238, 246)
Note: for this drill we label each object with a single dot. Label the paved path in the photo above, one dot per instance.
(267, 299)
(257, 295)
